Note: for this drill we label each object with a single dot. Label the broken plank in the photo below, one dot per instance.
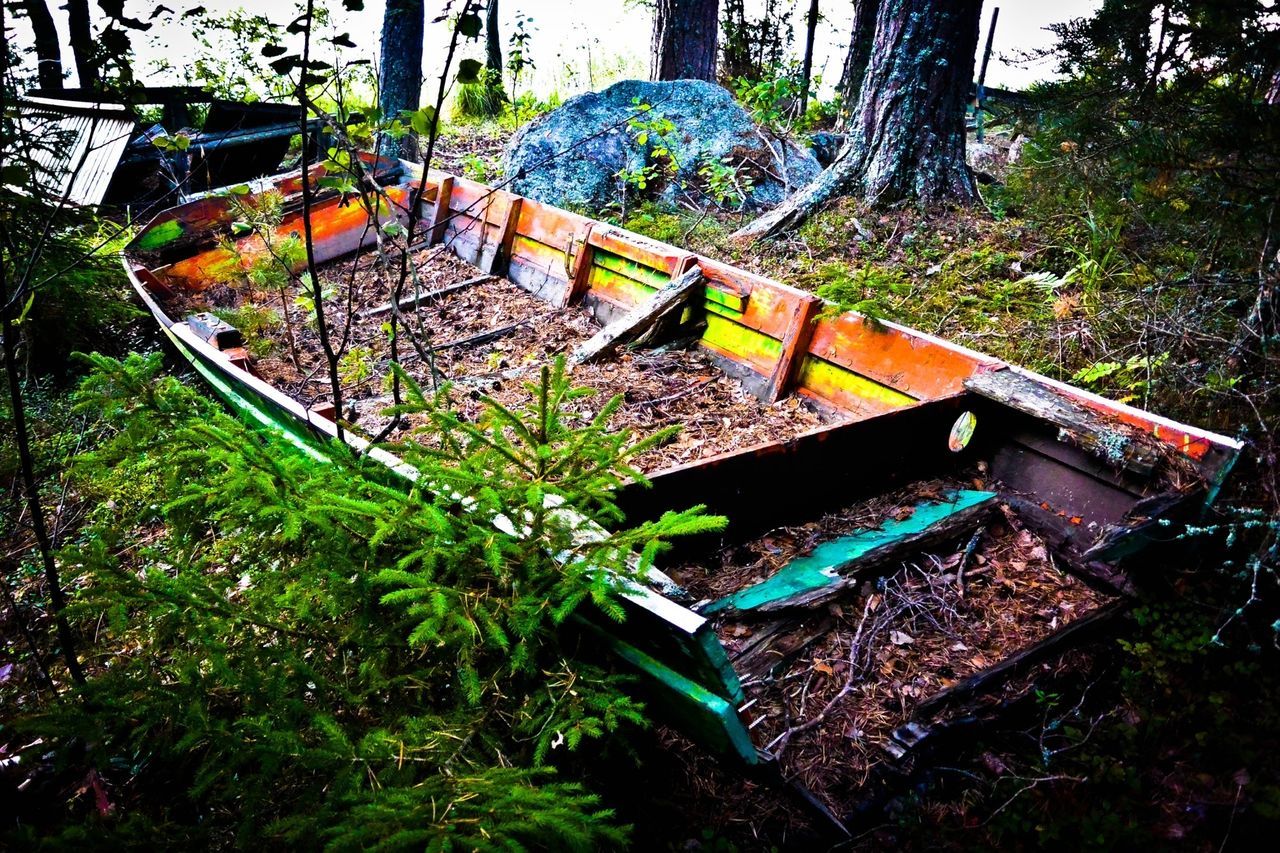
(635, 322)
(413, 302)
(832, 567)
(794, 347)
(1108, 439)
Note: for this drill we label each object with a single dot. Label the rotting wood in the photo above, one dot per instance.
(502, 257)
(794, 347)
(835, 566)
(440, 212)
(412, 302)
(215, 330)
(579, 278)
(671, 296)
(1109, 440)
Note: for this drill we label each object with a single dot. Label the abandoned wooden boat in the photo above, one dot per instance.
(927, 491)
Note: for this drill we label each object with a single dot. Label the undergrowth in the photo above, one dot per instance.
(311, 651)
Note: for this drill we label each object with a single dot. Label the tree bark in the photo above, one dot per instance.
(907, 135)
(806, 71)
(684, 40)
(48, 50)
(492, 39)
(400, 75)
(81, 39)
(859, 56)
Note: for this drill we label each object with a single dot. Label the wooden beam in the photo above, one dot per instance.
(795, 346)
(581, 271)
(412, 302)
(834, 566)
(440, 213)
(634, 323)
(1108, 439)
(502, 257)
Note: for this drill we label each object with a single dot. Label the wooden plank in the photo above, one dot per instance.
(834, 566)
(579, 281)
(551, 226)
(633, 247)
(412, 302)
(794, 345)
(440, 211)
(502, 258)
(741, 344)
(1105, 437)
(670, 297)
(623, 266)
(846, 390)
(707, 717)
(910, 363)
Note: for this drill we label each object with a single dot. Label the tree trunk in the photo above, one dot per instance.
(859, 55)
(684, 40)
(400, 77)
(81, 39)
(907, 135)
(492, 39)
(48, 51)
(806, 71)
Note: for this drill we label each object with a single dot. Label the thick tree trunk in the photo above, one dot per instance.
(48, 51)
(400, 76)
(81, 39)
(859, 56)
(492, 39)
(806, 70)
(684, 40)
(907, 135)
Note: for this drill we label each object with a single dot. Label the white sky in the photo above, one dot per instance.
(576, 45)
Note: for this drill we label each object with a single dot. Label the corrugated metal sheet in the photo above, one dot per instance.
(80, 145)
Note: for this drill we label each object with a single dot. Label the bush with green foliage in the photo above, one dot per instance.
(309, 650)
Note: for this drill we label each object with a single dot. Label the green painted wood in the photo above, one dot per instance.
(702, 715)
(821, 568)
(631, 269)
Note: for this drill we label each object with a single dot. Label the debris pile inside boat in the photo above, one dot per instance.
(830, 679)
(489, 337)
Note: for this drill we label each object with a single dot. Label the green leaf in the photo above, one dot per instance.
(342, 40)
(13, 175)
(469, 71)
(469, 25)
(353, 5)
(240, 189)
(31, 298)
(274, 50)
(423, 120)
(239, 229)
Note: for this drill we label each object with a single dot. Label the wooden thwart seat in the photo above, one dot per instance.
(834, 566)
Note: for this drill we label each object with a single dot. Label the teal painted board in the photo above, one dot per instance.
(820, 569)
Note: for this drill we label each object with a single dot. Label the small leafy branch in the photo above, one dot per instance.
(651, 131)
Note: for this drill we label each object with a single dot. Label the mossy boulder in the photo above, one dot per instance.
(571, 156)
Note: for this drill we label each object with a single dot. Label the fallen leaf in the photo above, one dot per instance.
(823, 668)
(900, 639)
